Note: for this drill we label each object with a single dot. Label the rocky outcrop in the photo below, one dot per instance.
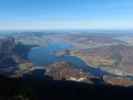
(65, 71)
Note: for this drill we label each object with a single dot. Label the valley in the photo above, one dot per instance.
(86, 55)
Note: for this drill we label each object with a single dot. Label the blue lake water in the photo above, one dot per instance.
(42, 56)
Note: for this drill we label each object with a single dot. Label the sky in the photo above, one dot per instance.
(66, 14)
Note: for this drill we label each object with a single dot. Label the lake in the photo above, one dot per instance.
(42, 56)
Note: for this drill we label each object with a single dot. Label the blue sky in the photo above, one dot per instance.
(66, 14)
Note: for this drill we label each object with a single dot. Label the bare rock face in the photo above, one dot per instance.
(65, 71)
